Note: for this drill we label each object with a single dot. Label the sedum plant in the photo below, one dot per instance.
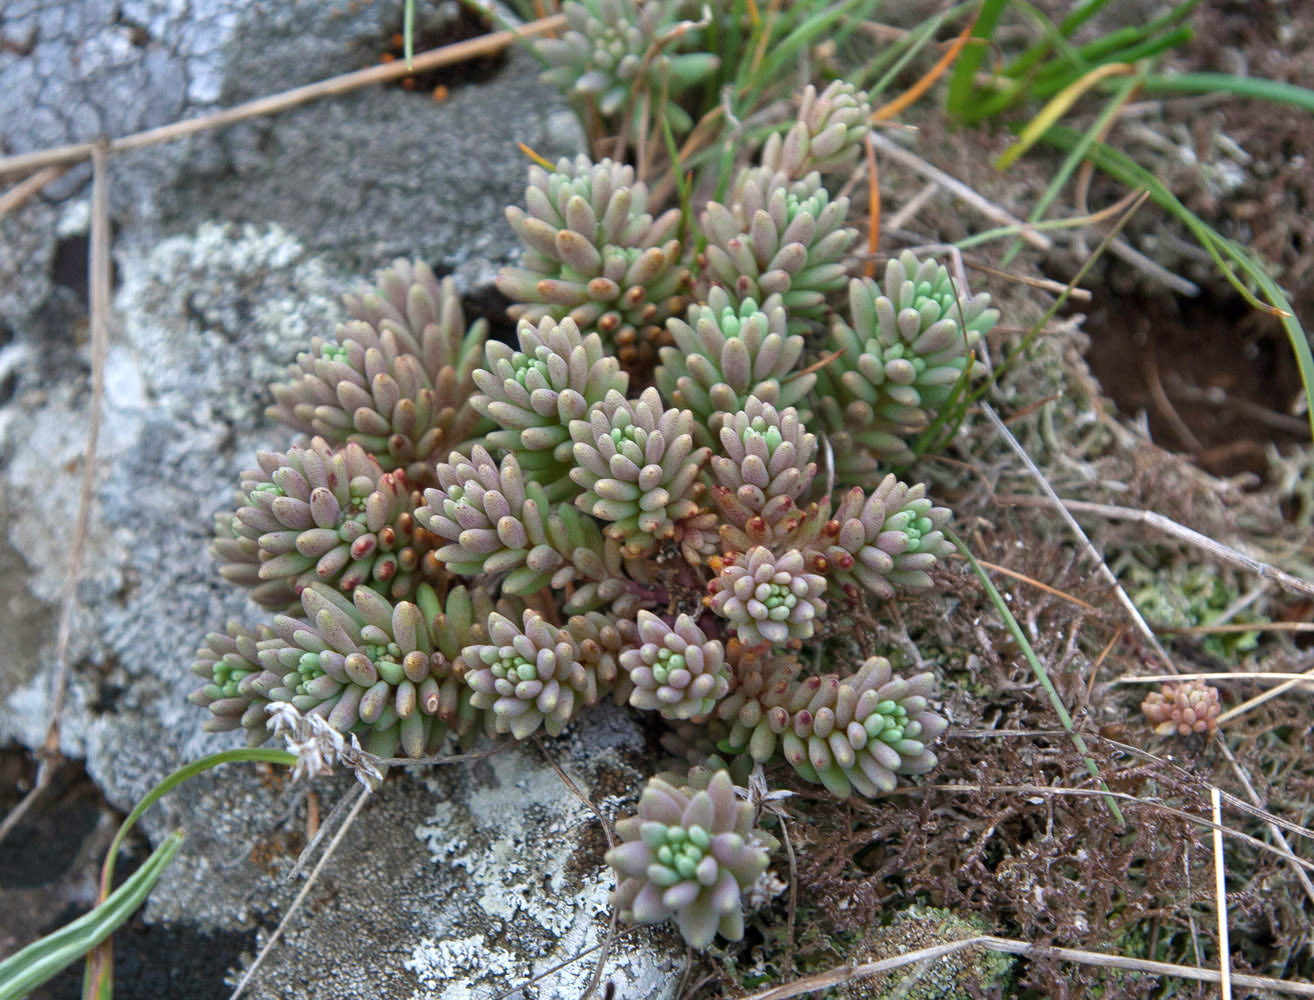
(669, 488)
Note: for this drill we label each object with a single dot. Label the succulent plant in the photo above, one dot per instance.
(827, 135)
(363, 664)
(780, 237)
(842, 732)
(528, 675)
(1183, 708)
(318, 515)
(763, 468)
(889, 538)
(236, 686)
(613, 48)
(909, 344)
(637, 468)
(534, 393)
(396, 379)
(595, 255)
(689, 854)
(726, 354)
(768, 598)
(483, 538)
(677, 670)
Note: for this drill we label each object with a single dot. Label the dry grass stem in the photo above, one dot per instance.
(1044, 284)
(301, 896)
(1219, 551)
(26, 188)
(1255, 702)
(1220, 895)
(1225, 675)
(345, 83)
(1182, 286)
(1296, 864)
(958, 189)
(851, 973)
(99, 278)
(1005, 571)
(915, 204)
(1088, 549)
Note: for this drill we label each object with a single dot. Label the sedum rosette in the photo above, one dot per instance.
(910, 343)
(677, 670)
(637, 468)
(725, 355)
(396, 379)
(528, 675)
(689, 854)
(365, 665)
(769, 599)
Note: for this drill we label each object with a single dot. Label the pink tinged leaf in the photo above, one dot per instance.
(648, 907)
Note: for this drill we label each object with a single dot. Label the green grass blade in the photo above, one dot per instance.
(41, 960)
(1043, 89)
(1037, 668)
(104, 988)
(1221, 249)
(1040, 50)
(1238, 86)
(1074, 158)
(905, 51)
(408, 33)
(172, 781)
(962, 84)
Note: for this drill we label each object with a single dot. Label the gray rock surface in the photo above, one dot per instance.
(231, 249)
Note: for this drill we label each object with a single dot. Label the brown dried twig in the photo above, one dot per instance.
(344, 83)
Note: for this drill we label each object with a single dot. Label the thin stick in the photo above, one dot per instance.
(26, 188)
(1255, 702)
(793, 895)
(914, 205)
(1037, 584)
(1182, 286)
(1221, 552)
(955, 187)
(1235, 627)
(1296, 864)
(1044, 284)
(1089, 549)
(874, 209)
(850, 973)
(611, 842)
(1220, 894)
(1225, 675)
(345, 83)
(99, 293)
(305, 889)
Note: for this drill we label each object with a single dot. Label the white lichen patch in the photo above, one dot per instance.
(517, 847)
(450, 969)
(516, 854)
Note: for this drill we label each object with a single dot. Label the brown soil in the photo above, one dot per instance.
(1214, 378)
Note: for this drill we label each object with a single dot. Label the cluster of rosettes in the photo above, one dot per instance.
(396, 379)
(690, 853)
(638, 498)
(612, 49)
(317, 514)
(593, 254)
(901, 355)
(842, 732)
(1183, 708)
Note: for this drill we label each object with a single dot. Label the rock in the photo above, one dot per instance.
(230, 250)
